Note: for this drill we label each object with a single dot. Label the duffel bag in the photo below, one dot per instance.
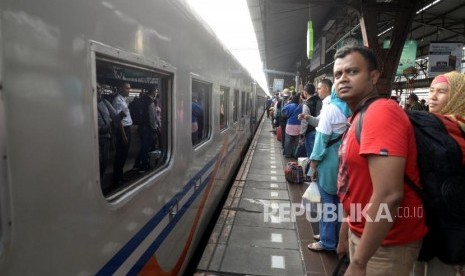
(294, 173)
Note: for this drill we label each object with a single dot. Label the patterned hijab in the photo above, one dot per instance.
(456, 103)
(455, 106)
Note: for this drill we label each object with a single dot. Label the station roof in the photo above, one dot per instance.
(281, 26)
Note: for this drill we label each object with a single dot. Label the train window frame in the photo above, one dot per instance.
(224, 107)
(236, 105)
(202, 90)
(165, 73)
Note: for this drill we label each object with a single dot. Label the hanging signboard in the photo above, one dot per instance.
(319, 54)
(444, 57)
(278, 85)
(408, 56)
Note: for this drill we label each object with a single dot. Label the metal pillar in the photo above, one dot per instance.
(388, 59)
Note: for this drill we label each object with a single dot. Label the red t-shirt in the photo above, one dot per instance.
(386, 131)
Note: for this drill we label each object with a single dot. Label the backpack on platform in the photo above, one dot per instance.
(294, 173)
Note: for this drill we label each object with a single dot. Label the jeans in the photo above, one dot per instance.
(290, 145)
(309, 142)
(329, 224)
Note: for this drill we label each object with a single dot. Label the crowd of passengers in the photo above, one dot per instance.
(369, 171)
(116, 117)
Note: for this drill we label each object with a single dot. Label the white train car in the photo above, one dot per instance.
(58, 214)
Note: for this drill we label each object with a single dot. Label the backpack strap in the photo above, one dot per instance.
(334, 141)
(361, 109)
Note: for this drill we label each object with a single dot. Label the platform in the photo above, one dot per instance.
(252, 236)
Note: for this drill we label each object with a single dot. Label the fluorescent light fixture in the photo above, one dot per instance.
(385, 31)
(428, 6)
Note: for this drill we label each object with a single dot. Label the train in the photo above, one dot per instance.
(59, 214)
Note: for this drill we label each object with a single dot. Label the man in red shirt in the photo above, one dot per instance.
(384, 217)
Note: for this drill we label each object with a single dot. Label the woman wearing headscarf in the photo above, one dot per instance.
(324, 168)
(447, 96)
(447, 101)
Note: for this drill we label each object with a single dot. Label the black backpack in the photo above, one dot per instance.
(442, 175)
(314, 104)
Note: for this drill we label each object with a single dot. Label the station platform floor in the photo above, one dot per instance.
(254, 235)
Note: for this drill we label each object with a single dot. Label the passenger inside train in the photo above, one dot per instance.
(132, 136)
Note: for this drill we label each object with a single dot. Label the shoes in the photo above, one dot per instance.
(316, 237)
(316, 246)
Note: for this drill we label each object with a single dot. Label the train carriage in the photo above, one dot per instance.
(59, 216)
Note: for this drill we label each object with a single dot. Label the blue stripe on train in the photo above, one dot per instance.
(159, 240)
(114, 263)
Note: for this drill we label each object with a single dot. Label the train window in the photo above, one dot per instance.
(132, 115)
(242, 104)
(235, 104)
(224, 107)
(201, 110)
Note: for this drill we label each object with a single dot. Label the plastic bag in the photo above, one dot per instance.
(312, 194)
(305, 163)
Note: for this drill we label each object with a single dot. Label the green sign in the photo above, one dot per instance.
(408, 56)
(309, 40)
